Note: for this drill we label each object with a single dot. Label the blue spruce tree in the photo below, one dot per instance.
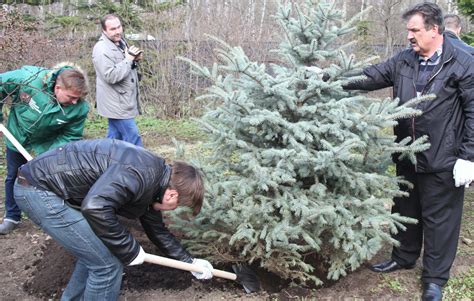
(296, 167)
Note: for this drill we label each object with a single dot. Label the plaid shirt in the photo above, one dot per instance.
(426, 69)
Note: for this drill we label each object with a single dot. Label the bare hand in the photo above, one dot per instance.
(134, 53)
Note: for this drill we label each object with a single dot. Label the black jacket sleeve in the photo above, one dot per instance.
(378, 76)
(114, 188)
(157, 232)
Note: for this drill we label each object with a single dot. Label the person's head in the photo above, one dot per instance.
(112, 27)
(71, 85)
(425, 27)
(186, 188)
(452, 23)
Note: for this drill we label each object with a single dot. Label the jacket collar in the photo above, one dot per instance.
(163, 185)
(450, 34)
(448, 48)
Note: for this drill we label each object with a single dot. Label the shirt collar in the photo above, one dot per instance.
(434, 57)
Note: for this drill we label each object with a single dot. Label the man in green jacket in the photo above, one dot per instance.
(47, 111)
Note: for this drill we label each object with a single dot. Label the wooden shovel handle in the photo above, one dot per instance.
(172, 263)
(15, 142)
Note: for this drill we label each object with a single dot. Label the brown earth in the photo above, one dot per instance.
(34, 267)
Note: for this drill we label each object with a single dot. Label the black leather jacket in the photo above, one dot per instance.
(106, 178)
(448, 120)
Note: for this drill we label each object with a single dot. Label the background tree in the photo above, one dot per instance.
(68, 29)
(467, 8)
(296, 166)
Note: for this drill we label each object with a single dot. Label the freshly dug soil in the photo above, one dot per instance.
(50, 272)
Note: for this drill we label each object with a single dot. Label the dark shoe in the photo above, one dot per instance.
(8, 226)
(432, 292)
(389, 266)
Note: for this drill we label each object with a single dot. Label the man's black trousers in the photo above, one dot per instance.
(437, 205)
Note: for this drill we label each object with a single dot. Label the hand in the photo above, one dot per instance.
(134, 53)
(139, 57)
(463, 172)
(139, 259)
(206, 265)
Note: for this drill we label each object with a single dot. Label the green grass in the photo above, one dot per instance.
(461, 287)
(180, 129)
(392, 283)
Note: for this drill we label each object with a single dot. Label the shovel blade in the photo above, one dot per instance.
(247, 277)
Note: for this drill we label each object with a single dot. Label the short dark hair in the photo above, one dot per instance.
(431, 12)
(107, 18)
(452, 21)
(187, 180)
(73, 79)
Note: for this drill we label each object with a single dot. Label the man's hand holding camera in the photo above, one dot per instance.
(134, 53)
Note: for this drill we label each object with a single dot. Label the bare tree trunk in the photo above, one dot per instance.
(388, 40)
(450, 6)
(262, 18)
(388, 12)
(362, 7)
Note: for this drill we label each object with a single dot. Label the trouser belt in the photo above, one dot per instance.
(20, 179)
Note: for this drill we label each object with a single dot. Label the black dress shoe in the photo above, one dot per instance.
(389, 266)
(432, 292)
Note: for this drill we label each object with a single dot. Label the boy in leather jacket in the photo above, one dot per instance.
(106, 178)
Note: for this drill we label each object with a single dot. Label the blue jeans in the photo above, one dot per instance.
(124, 129)
(98, 273)
(14, 160)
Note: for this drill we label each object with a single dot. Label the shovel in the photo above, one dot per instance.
(243, 275)
(15, 142)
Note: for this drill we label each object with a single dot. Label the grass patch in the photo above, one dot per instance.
(461, 287)
(392, 283)
(180, 129)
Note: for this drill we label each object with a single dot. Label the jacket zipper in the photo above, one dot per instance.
(413, 124)
(422, 92)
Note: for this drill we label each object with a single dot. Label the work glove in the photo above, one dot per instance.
(139, 259)
(463, 173)
(206, 265)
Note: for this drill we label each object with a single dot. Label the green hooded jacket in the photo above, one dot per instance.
(36, 119)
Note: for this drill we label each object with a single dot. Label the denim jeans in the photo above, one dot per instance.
(98, 273)
(124, 129)
(14, 160)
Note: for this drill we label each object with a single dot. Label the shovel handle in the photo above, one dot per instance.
(172, 263)
(15, 142)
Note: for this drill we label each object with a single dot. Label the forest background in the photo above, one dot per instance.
(45, 32)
